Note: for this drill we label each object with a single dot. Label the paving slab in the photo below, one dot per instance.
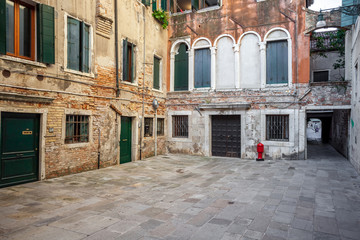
(191, 197)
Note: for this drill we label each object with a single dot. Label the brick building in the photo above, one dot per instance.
(62, 104)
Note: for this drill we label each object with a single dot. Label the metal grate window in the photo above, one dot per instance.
(277, 127)
(77, 129)
(148, 127)
(180, 126)
(160, 127)
(321, 76)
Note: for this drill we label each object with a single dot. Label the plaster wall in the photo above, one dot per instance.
(355, 98)
(319, 63)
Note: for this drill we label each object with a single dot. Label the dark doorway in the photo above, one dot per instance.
(226, 136)
(19, 152)
(125, 140)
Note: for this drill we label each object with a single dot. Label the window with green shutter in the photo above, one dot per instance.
(128, 61)
(181, 80)
(156, 70)
(19, 30)
(78, 45)
(347, 20)
(277, 62)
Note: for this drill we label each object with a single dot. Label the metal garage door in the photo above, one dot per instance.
(226, 135)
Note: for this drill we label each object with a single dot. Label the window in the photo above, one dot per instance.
(321, 76)
(277, 127)
(162, 5)
(184, 5)
(77, 129)
(78, 45)
(181, 68)
(160, 127)
(202, 68)
(128, 61)
(277, 62)
(148, 127)
(18, 28)
(156, 83)
(180, 126)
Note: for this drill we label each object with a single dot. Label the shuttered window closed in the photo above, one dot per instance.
(277, 62)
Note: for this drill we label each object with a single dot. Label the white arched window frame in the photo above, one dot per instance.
(200, 43)
(173, 52)
(263, 48)
(213, 60)
(262, 57)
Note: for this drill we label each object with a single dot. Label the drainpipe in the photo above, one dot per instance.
(143, 92)
(99, 149)
(116, 52)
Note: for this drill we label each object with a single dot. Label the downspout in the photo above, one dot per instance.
(143, 93)
(116, 51)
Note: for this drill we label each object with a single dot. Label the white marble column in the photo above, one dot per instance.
(237, 65)
(263, 64)
(213, 68)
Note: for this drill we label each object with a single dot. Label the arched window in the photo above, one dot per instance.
(278, 52)
(181, 70)
(225, 63)
(250, 61)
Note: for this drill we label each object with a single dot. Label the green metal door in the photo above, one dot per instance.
(19, 154)
(125, 140)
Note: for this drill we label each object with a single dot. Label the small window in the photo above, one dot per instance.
(177, 6)
(160, 127)
(180, 126)
(321, 76)
(77, 129)
(148, 127)
(202, 68)
(277, 127)
(156, 83)
(128, 61)
(78, 45)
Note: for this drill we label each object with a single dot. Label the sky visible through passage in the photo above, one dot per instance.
(325, 4)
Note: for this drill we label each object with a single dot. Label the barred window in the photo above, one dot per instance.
(77, 129)
(180, 126)
(277, 127)
(148, 127)
(160, 127)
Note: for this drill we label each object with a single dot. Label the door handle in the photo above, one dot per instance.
(124, 140)
(19, 154)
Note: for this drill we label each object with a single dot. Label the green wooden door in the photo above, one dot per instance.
(125, 140)
(19, 154)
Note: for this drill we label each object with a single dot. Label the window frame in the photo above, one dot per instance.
(150, 132)
(162, 127)
(69, 70)
(77, 123)
(159, 72)
(17, 30)
(322, 70)
(175, 133)
(131, 71)
(173, 52)
(285, 130)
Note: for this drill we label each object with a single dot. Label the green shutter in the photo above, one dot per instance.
(156, 83)
(195, 4)
(45, 34)
(164, 5)
(73, 44)
(2, 26)
(132, 63)
(85, 48)
(181, 82)
(347, 20)
(125, 63)
(154, 5)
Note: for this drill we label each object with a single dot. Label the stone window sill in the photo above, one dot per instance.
(23, 61)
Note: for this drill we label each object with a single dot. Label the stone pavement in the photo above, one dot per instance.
(187, 197)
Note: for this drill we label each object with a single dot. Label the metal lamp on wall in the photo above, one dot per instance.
(320, 22)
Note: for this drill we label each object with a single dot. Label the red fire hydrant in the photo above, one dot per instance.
(260, 150)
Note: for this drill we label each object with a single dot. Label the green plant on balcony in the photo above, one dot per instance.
(162, 17)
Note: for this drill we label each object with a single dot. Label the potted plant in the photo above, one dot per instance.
(162, 17)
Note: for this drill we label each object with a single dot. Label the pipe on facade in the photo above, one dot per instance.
(99, 149)
(116, 52)
(143, 89)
